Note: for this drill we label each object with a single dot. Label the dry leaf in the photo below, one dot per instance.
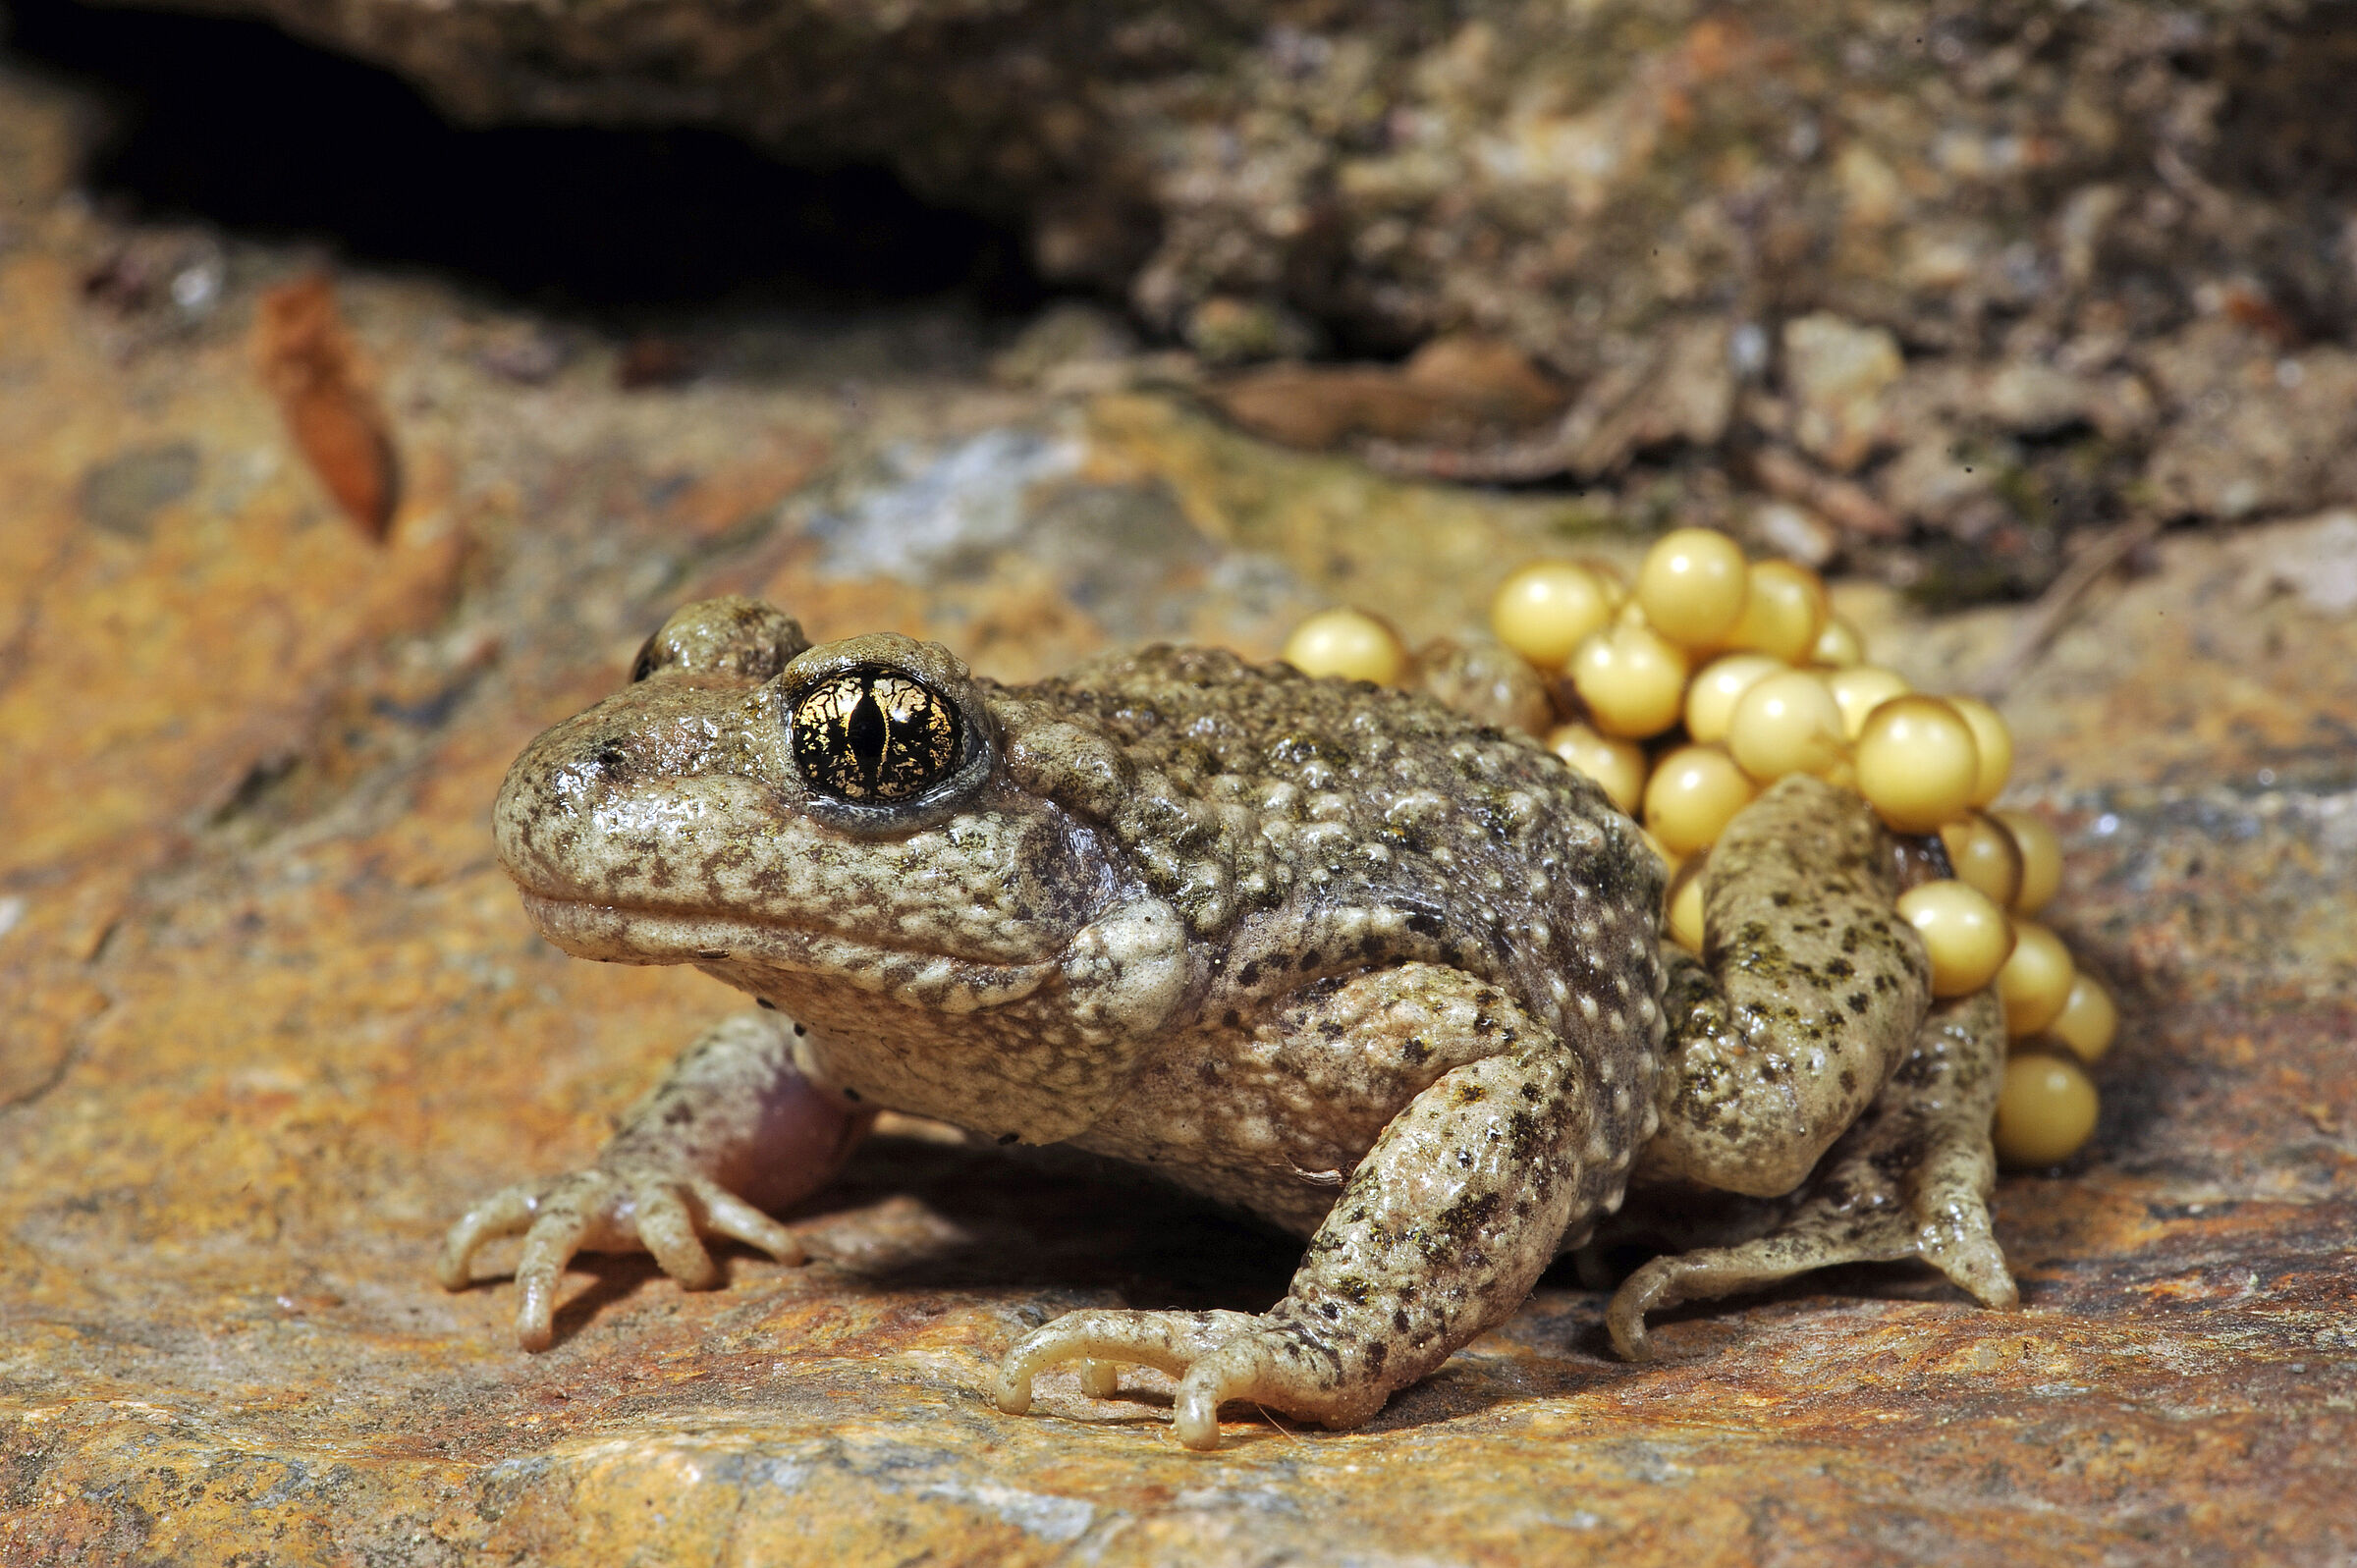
(310, 365)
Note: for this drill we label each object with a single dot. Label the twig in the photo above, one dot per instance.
(2055, 608)
(1273, 1421)
(1848, 504)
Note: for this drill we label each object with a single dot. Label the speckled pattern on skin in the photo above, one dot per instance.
(1810, 985)
(1334, 953)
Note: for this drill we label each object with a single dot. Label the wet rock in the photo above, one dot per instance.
(123, 493)
(1224, 329)
(1065, 342)
(2314, 560)
(1936, 481)
(2034, 399)
(527, 352)
(1836, 372)
(2257, 431)
(1674, 385)
(1794, 533)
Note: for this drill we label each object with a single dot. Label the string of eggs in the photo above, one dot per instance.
(1712, 676)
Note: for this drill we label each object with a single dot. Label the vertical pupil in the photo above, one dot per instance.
(865, 736)
(875, 734)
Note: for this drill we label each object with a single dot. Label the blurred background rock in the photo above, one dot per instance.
(1952, 280)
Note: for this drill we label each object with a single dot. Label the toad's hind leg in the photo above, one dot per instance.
(1909, 1179)
(1437, 1235)
(1809, 990)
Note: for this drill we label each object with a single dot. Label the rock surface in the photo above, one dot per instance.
(269, 1016)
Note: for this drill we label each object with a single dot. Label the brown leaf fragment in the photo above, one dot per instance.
(311, 366)
(649, 361)
(1672, 386)
(1454, 390)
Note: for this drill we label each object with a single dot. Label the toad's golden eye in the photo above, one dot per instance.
(874, 734)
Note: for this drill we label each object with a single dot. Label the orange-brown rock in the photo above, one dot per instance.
(270, 1018)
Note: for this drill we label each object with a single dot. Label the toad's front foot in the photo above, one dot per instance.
(607, 1210)
(734, 1118)
(1270, 1360)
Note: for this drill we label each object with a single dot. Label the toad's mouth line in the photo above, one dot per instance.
(637, 933)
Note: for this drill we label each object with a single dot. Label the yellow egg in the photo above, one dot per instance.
(2035, 981)
(1786, 723)
(1632, 680)
(1694, 792)
(1609, 577)
(1684, 920)
(1995, 742)
(1692, 586)
(2088, 1020)
(2046, 1109)
(1967, 937)
(1917, 762)
(2041, 859)
(1839, 644)
(1710, 699)
(1984, 855)
(1783, 612)
(1350, 643)
(1617, 765)
(1547, 608)
(1862, 688)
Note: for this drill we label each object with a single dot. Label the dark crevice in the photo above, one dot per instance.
(237, 126)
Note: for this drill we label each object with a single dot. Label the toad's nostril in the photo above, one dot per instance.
(729, 636)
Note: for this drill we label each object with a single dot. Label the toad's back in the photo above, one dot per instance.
(1315, 828)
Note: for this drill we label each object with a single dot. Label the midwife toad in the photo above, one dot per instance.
(1332, 953)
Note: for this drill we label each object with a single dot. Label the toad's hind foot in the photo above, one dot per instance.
(1909, 1179)
(1438, 1234)
(1216, 1356)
